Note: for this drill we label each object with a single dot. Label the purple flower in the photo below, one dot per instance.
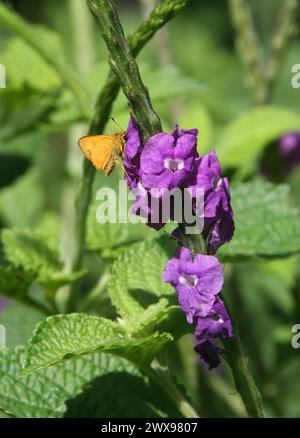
(218, 214)
(209, 353)
(197, 281)
(289, 143)
(148, 207)
(289, 149)
(167, 160)
(132, 151)
(215, 325)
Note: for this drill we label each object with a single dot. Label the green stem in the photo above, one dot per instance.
(49, 53)
(285, 29)
(125, 67)
(248, 48)
(161, 377)
(260, 73)
(164, 12)
(242, 377)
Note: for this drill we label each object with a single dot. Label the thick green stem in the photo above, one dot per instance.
(125, 67)
(161, 377)
(49, 53)
(243, 379)
(164, 12)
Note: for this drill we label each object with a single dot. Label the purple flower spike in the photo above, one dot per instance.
(215, 325)
(197, 282)
(167, 160)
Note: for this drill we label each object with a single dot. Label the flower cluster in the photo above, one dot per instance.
(198, 282)
(169, 161)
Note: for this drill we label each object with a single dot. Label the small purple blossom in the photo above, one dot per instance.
(218, 214)
(197, 281)
(216, 324)
(167, 160)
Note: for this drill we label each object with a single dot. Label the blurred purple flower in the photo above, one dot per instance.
(289, 143)
(289, 149)
(196, 281)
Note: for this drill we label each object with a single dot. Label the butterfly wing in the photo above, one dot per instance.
(98, 149)
(103, 150)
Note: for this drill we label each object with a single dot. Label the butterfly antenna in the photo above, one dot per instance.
(117, 124)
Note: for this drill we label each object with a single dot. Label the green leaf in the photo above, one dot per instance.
(30, 69)
(21, 203)
(136, 280)
(244, 139)
(266, 223)
(19, 321)
(22, 122)
(111, 238)
(14, 284)
(29, 251)
(94, 386)
(62, 337)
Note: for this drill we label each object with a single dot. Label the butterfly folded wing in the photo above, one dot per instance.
(103, 150)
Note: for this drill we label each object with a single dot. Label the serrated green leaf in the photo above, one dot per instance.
(136, 280)
(29, 251)
(266, 224)
(62, 337)
(245, 138)
(94, 386)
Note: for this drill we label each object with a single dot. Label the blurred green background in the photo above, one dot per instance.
(197, 78)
